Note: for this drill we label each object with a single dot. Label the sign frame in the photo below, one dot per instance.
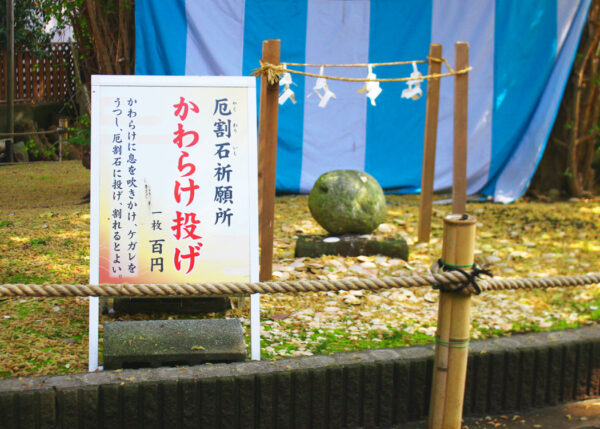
(131, 81)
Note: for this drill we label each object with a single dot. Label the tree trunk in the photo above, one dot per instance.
(567, 164)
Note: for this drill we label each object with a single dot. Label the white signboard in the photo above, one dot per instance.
(174, 183)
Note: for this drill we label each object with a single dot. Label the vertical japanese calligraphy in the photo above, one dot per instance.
(225, 123)
(185, 222)
(124, 241)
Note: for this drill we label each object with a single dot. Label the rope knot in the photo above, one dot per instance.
(271, 71)
(470, 286)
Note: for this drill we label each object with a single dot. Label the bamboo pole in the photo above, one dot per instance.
(451, 354)
(440, 363)
(267, 158)
(429, 144)
(461, 108)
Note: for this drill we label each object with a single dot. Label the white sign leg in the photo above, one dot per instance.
(255, 326)
(93, 334)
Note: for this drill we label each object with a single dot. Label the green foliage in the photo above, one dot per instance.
(29, 26)
(79, 133)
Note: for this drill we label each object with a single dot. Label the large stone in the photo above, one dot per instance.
(347, 202)
(155, 343)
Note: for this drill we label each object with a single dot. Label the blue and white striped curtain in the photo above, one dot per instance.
(521, 53)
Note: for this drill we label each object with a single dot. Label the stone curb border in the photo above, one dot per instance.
(376, 388)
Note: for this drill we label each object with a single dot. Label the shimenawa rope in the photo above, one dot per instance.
(272, 72)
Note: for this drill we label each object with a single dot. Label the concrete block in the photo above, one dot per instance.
(302, 399)
(266, 400)
(8, 410)
(335, 377)
(371, 388)
(469, 387)
(171, 305)
(481, 369)
(319, 398)
(68, 406)
(526, 378)
(47, 409)
(353, 393)
(595, 366)
(228, 403)
(582, 380)
(420, 374)
(497, 378)
(511, 393)
(541, 377)
(190, 405)
(283, 392)
(170, 404)
(402, 391)
(152, 405)
(110, 401)
(131, 406)
(90, 418)
(555, 364)
(569, 372)
(386, 394)
(157, 343)
(208, 403)
(28, 410)
(246, 386)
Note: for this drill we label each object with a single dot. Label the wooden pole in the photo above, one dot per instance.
(267, 158)
(451, 354)
(461, 109)
(429, 144)
(63, 124)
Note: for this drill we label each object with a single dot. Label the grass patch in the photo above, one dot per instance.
(41, 241)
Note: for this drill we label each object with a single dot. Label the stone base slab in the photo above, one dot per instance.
(313, 246)
(155, 343)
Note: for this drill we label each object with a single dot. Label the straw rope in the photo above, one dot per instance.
(395, 63)
(227, 289)
(272, 72)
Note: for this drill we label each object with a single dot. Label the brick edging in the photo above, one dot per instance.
(374, 388)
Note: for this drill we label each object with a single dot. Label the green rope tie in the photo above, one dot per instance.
(453, 344)
(457, 266)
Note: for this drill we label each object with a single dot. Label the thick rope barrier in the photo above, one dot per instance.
(448, 279)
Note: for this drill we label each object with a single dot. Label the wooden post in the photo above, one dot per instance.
(461, 109)
(267, 158)
(10, 87)
(63, 124)
(429, 143)
(451, 351)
